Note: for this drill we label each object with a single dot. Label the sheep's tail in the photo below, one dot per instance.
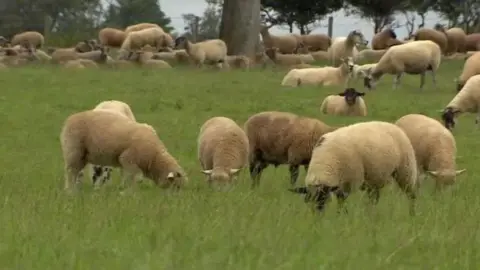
(291, 79)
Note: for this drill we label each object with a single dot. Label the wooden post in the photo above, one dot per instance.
(330, 26)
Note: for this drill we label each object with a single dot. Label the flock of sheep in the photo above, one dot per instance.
(366, 155)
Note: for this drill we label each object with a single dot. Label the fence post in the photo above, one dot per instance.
(330, 26)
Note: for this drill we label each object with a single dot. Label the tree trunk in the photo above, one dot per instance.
(240, 26)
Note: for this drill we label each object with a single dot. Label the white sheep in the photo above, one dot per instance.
(369, 55)
(28, 39)
(368, 155)
(212, 51)
(416, 57)
(343, 47)
(153, 36)
(222, 150)
(467, 100)
(362, 71)
(320, 76)
(434, 145)
(470, 68)
(349, 102)
(107, 139)
(281, 138)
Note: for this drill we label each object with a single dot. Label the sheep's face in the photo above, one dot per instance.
(359, 38)
(448, 117)
(221, 177)
(173, 179)
(445, 177)
(350, 95)
(180, 42)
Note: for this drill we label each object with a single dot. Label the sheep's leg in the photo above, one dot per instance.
(256, 170)
(97, 173)
(396, 80)
(434, 79)
(422, 80)
(342, 196)
(72, 174)
(294, 172)
(320, 197)
(373, 194)
(410, 191)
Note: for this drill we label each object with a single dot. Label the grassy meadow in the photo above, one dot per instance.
(41, 227)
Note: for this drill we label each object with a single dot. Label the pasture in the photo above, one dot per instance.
(41, 227)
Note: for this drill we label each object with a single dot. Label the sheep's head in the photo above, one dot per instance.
(173, 179)
(350, 95)
(445, 177)
(83, 46)
(180, 41)
(448, 117)
(358, 38)
(348, 62)
(221, 177)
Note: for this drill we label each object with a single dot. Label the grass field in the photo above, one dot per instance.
(270, 228)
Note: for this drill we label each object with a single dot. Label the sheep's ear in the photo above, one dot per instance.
(234, 171)
(360, 93)
(460, 171)
(342, 94)
(170, 175)
(207, 172)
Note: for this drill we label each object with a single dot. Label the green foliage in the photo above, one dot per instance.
(270, 228)
(377, 8)
(208, 23)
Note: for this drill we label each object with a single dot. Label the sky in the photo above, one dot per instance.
(342, 24)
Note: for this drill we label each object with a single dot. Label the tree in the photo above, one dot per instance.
(127, 12)
(379, 11)
(207, 26)
(420, 7)
(460, 13)
(240, 26)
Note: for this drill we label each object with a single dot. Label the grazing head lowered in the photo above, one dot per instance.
(448, 117)
(350, 95)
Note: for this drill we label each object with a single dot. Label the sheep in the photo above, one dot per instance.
(343, 47)
(433, 35)
(141, 26)
(281, 138)
(42, 56)
(414, 57)
(31, 38)
(456, 38)
(472, 42)
(306, 58)
(369, 55)
(300, 66)
(111, 37)
(144, 59)
(222, 150)
(283, 59)
(62, 55)
(87, 46)
(467, 100)
(238, 61)
(212, 51)
(316, 42)
(73, 64)
(362, 71)
(99, 56)
(368, 155)
(320, 76)
(434, 145)
(349, 102)
(286, 44)
(14, 58)
(470, 68)
(131, 146)
(321, 55)
(385, 39)
(151, 36)
(174, 57)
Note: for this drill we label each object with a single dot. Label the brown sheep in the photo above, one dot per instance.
(472, 42)
(456, 39)
(285, 44)
(316, 42)
(432, 35)
(141, 26)
(27, 39)
(283, 59)
(111, 37)
(385, 39)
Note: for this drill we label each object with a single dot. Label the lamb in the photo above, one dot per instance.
(369, 56)
(320, 76)
(141, 26)
(470, 68)
(434, 145)
(135, 148)
(349, 102)
(222, 149)
(316, 42)
(283, 59)
(281, 138)
(111, 37)
(385, 39)
(467, 100)
(433, 35)
(287, 44)
(368, 155)
(456, 39)
(213, 51)
(343, 47)
(29, 38)
(152, 36)
(416, 57)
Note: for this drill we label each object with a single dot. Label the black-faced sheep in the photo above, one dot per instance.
(348, 102)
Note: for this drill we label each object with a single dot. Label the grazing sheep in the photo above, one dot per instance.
(369, 56)
(433, 35)
(472, 42)
(362, 71)
(111, 37)
(213, 51)
(283, 59)
(470, 68)
(106, 139)
(316, 42)
(385, 39)
(141, 26)
(320, 76)
(349, 102)
(343, 47)
(368, 155)
(136, 40)
(281, 138)
(238, 61)
(460, 39)
(434, 145)
(29, 38)
(321, 55)
(416, 57)
(286, 44)
(222, 150)
(467, 100)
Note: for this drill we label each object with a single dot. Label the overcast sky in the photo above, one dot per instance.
(342, 24)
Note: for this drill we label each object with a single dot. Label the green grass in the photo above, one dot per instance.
(269, 228)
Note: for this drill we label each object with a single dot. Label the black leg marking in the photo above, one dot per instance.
(97, 172)
(294, 172)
